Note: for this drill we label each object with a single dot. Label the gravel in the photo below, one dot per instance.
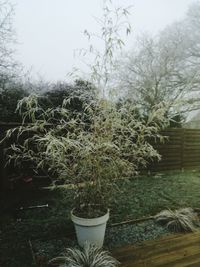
(115, 237)
(133, 233)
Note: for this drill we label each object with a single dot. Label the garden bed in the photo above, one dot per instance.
(50, 229)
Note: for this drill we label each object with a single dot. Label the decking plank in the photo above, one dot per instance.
(181, 250)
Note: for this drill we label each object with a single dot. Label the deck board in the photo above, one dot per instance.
(181, 250)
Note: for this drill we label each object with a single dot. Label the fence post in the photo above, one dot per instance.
(1, 166)
(4, 184)
(182, 148)
(3, 180)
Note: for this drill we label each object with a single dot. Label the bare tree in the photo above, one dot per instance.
(165, 68)
(7, 37)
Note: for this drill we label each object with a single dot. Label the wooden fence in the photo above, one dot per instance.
(180, 151)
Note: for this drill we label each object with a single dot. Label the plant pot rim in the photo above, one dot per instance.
(90, 221)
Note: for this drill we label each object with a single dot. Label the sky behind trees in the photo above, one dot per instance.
(48, 31)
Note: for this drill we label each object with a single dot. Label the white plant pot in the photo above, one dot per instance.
(90, 230)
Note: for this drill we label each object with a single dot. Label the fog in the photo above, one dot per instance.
(48, 31)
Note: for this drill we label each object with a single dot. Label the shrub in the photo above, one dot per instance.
(90, 256)
(183, 220)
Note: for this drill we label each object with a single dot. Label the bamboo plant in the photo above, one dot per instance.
(91, 149)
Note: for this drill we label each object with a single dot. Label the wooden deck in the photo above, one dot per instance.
(170, 251)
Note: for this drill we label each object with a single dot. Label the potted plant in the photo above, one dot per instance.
(90, 144)
(91, 148)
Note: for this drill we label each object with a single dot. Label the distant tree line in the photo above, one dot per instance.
(51, 96)
(14, 85)
(162, 69)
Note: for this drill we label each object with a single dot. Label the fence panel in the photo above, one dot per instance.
(180, 151)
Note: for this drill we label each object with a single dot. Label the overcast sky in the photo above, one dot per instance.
(48, 31)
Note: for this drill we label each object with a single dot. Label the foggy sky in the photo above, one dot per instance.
(48, 31)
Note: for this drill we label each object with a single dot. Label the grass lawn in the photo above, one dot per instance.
(49, 228)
